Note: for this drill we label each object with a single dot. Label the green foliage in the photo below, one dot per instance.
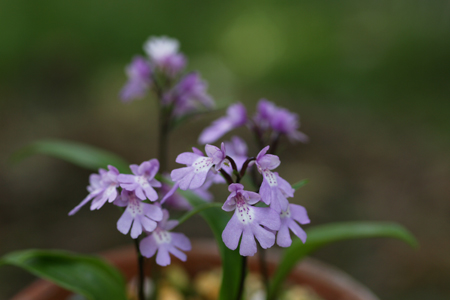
(299, 184)
(86, 275)
(323, 235)
(231, 260)
(77, 153)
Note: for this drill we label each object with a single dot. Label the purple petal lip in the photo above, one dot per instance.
(248, 221)
(102, 189)
(289, 218)
(162, 242)
(138, 216)
(198, 167)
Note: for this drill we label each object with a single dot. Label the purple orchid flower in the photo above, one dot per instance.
(174, 200)
(248, 221)
(198, 166)
(102, 188)
(285, 122)
(274, 189)
(139, 79)
(143, 181)
(163, 53)
(288, 221)
(165, 242)
(236, 117)
(189, 95)
(265, 111)
(139, 214)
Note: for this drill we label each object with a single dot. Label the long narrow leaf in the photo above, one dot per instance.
(86, 275)
(77, 153)
(299, 184)
(323, 235)
(231, 260)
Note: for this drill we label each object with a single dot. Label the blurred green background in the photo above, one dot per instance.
(370, 80)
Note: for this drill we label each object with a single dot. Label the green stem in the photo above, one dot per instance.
(243, 273)
(197, 210)
(263, 268)
(164, 119)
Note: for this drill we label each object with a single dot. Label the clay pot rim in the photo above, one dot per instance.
(324, 279)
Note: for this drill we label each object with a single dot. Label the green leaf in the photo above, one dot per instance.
(77, 153)
(86, 275)
(299, 184)
(323, 235)
(231, 260)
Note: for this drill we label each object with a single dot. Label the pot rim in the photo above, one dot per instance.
(327, 281)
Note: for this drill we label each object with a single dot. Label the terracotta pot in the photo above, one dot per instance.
(326, 281)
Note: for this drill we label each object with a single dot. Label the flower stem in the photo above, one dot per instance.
(245, 166)
(164, 123)
(263, 268)
(235, 169)
(243, 273)
(274, 145)
(141, 277)
(226, 176)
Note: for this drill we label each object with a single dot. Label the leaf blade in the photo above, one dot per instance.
(86, 275)
(231, 260)
(300, 184)
(323, 235)
(80, 154)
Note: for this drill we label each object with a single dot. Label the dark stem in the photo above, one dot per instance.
(274, 146)
(156, 272)
(164, 125)
(235, 169)
(164, 122)
(243, 273)
(263, 268)
(258, 135)
(257, 180)
(141, 271)
(245, 166)
(226, 176)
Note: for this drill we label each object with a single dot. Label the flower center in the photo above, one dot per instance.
(142, 181)
(270, 177)
(162, 236)
(135, 206)
(244, 212)
(286, 214)
(202, 164)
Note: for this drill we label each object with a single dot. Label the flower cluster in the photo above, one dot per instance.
(265, 215)
(269, 123)
(140, 214)
(248, 221)
(161, 71)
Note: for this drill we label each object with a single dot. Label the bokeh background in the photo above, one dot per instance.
(370, 80)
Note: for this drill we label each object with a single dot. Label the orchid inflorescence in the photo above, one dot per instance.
(146, 210)
(148, 193)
